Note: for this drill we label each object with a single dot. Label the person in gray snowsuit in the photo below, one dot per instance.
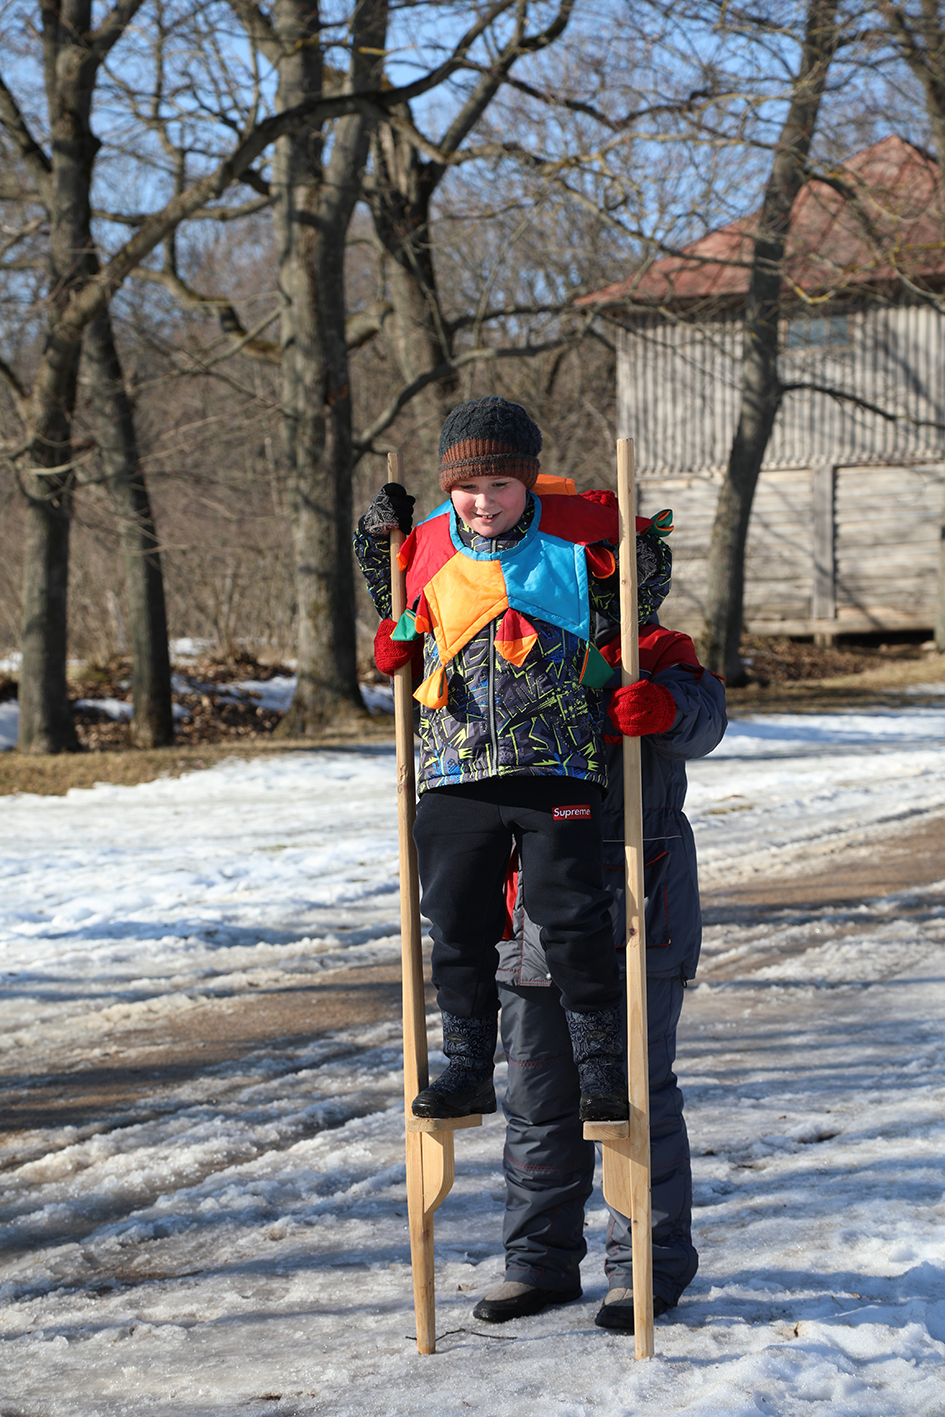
(549, 1167)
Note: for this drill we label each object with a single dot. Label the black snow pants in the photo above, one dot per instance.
(549, 1167)
(465, 836)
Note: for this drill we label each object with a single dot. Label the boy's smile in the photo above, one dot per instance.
(490, 505)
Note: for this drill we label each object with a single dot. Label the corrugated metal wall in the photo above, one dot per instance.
(679, 387)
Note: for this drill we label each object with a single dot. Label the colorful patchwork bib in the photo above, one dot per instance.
(455, 591)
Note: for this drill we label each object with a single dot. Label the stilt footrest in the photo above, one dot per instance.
(606, 1131)
(443, 1124)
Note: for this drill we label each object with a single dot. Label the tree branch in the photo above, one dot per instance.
(85, 304)
(362, 444)
(113, 26)
(20, 395)
(26, 145)
(842, 396)
(138, 219)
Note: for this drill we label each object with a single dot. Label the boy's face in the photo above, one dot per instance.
(490, 505)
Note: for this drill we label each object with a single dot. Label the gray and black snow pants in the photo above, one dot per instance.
(549, 1167)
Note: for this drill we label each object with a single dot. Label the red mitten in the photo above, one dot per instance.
(644, 707)
(390, 655)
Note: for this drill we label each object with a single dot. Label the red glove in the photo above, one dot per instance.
(390, 655)
(644, 707)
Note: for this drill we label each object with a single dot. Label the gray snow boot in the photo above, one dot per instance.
(600, 1055)
(466, 1087)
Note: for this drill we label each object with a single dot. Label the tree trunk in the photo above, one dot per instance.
(46, 724)
(761, 388)
(400, 194)
(152, 725)
(45, 719)
(313, 206)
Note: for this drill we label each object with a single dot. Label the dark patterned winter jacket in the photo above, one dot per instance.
(500, 719)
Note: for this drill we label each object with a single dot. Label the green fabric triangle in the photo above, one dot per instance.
(406, 627)
(598, 674)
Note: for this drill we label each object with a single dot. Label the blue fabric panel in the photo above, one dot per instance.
(545, 576)
(548, 579)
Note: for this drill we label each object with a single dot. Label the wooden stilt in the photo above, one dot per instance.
(429, 1142)
(626, 1152)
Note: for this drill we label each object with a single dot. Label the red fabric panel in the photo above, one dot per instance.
(577, 519)
(427, 548)
(659, 649)
(600, 561)
(511, 893)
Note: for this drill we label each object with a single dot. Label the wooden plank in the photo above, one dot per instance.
(429, 1155)
(606, 1131)
(442, 1124)
(628, 1163)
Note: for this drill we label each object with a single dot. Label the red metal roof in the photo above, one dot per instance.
(894, 224)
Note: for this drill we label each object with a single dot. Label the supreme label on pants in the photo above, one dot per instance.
(581, 812)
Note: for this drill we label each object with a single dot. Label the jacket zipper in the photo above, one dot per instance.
(493, 737)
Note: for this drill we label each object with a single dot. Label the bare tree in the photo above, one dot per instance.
(315, 189)
(761, 389)
(80, 288)
(404, 180)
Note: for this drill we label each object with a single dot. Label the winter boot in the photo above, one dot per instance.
(616, 1312)
(466, 1087)
(515, 1300)
(598, 1046)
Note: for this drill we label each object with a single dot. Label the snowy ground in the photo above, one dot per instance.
(237, 1242)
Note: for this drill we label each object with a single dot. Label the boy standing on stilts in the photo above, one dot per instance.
(505, 587)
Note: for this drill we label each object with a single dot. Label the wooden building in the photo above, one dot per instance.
(848, 515)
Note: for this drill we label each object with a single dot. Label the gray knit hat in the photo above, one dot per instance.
(488, 437)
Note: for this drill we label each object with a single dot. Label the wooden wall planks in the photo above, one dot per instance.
(851, 547)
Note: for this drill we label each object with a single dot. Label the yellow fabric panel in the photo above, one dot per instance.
(463, 596)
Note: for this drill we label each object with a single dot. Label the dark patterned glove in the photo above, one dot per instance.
(638, 709)
(391, 508)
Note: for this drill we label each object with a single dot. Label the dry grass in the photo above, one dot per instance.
(886, 679)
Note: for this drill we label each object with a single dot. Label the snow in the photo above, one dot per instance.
(115, 708)
(234, 1239)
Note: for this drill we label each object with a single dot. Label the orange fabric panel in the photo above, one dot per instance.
(548, 486)
(433, 692)
(464, 595)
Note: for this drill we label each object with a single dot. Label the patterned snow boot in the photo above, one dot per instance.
(600, 1055)
(466, 1087)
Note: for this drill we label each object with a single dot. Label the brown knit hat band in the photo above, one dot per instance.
(485, 457)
